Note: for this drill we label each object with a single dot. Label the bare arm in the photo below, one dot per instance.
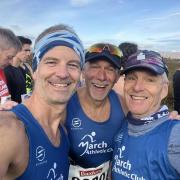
(11, 142)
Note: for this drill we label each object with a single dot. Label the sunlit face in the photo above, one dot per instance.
(25, 53)
(6, 57)
(144, 92)
(20, 56)
(100, 76)
(57, 75)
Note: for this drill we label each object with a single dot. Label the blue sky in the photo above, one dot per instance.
(152, 24)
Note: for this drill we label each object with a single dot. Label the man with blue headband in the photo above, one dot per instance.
(34, 144)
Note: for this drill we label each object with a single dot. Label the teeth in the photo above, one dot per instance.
(138, 97)
(60, 85)
(99, 85)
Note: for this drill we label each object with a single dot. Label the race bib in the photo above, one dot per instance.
(97, 173)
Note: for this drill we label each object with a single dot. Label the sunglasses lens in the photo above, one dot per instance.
(99, 48)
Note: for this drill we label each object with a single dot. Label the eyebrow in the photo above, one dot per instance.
(57, 59)
(50, 58)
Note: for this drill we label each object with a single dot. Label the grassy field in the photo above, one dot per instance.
(173, 64)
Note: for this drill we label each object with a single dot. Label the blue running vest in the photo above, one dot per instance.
(92, 142)
(45, 160)
(144, 157)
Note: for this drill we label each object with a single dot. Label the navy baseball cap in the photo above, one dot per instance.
(145, 59)
(107, 51)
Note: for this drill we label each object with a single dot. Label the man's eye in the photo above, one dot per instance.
(50, 62)
(129, 78)
(111, 69)
(150, 80)
(94, 67)
(74, 66)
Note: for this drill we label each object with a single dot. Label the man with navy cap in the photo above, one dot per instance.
(33, 143)
(95, 113)
(148, 144)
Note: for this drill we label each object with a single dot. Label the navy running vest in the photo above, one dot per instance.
(92, 142)
(143, 157)
(45, 160)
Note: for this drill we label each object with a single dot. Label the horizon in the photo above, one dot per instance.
(152, 25)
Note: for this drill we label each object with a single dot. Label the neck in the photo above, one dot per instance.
(16, 62)
(48, 115)
(96, 110)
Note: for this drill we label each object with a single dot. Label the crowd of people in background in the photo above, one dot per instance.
(91, 114)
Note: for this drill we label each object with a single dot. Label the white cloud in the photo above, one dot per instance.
(159, 18)
(16, 28)
(80, 3)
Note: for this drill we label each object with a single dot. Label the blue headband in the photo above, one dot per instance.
(59, 38)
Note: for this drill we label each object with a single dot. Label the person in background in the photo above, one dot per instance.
(95, 113)
(25, 65)
(9, 46)
(18, 74)
(127, 48)
(33, 141)
(15, 79)
(148, 145)
(176, 90)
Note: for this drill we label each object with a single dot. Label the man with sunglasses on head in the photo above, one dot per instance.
(148, 144)
(94, 114)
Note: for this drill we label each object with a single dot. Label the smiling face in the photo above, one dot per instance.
(144, 92)
(100, 76)
(57, 75)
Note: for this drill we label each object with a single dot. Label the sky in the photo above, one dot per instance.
(152, 24)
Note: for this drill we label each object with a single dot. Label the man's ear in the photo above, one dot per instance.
(34, 74)
(117, 76)
(165, 89)
(83, 71)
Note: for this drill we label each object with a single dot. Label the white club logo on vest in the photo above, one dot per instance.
(76, 122)
(40, 155)
(91, 146)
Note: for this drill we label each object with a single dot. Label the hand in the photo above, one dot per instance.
(174, 115)
(8, 105)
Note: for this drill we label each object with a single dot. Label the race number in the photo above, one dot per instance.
(98, 173)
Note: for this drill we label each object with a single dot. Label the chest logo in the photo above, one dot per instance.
(76, 122)
(40, 153)
(91, 146)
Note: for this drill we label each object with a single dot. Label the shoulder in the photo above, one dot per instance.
(13, 144)
(28, 67)
(174, 147)
(175, 132)
(10, 126)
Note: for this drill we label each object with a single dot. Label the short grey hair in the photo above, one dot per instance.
(165, 78)
(9, 40)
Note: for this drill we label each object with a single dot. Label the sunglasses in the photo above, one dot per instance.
(101, 47)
